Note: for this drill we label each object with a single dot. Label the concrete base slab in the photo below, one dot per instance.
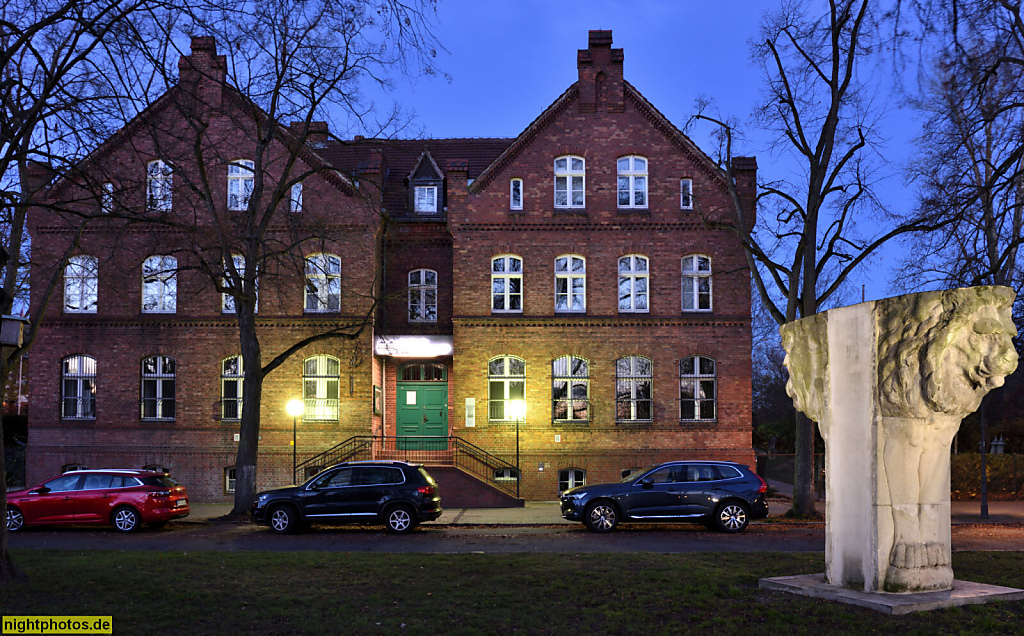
(963, 593)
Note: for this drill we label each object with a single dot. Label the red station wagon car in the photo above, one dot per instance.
(122, 498)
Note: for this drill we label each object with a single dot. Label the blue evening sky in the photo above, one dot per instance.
(510, 59)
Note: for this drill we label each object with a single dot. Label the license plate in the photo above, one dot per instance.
(181, 503)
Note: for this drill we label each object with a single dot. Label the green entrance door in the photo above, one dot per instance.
(422, 414)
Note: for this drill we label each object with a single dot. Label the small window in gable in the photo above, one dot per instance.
(632, 182)
(107, 198)
(570, 181)
(240, 184)
(158, 186)
(426, 199)
(296, 198)
(515, 201)
(686, 194)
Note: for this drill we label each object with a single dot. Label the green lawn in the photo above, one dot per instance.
(340, 593)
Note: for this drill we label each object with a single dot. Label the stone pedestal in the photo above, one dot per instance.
(888, 383)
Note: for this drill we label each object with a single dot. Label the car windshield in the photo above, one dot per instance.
(636, 473)
(159, 480)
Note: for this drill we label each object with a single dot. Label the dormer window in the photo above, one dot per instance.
(426, 199)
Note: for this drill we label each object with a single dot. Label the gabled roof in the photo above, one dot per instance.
(431, 165)
(653, 115)
(400, 156)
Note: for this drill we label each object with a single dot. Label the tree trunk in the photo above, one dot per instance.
(249, 427)
(8, 570)
(803, 466)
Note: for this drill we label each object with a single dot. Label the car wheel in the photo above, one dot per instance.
(732, 516)
(601, 516)
(15, 520)
(125, 519)
(283, 520)
(399, 519)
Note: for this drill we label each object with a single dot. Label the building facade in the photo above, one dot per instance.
(565, 307)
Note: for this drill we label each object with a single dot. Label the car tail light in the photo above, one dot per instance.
(159, 493)
(764, 486)
(427, 491)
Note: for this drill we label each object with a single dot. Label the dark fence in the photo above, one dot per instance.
(14, 459)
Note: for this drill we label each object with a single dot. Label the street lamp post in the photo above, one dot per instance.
(517, 409)
(294, 408)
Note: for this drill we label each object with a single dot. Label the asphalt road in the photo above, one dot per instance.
(434, 538)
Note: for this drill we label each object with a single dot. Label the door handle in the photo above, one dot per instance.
(106, 496)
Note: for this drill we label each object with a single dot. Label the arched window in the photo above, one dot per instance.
(696, 283)
(506, 382)
(323, 283)
(159, 285)
(507, 284)
(633, 288)
(158, 388)
(571, 478)
(320, 392)
(228, 299)
(570, 389)
(422, 372)
(632, 182)
(697, 389)
(633, 378)
(240, 183)
(81, 283)
(570, 284)
(570, 181)
(158, 186)
(78, 388)
(422, 295)
(231, 376)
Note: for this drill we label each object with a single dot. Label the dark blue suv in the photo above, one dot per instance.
(722, 495)
(398, 494)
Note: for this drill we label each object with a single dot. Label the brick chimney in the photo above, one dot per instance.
(457, 173)
(745, 171)
(600, 69)
(203, 72)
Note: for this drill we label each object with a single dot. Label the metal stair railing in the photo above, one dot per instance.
(444, 451)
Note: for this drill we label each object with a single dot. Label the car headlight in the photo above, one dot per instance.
(262, 499)
(576, 496)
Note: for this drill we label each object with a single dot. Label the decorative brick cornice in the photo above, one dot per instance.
(611, 322)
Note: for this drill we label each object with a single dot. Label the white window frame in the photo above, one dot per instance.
(160, 378)
(422, 295)
(515, 194)
(634, 177)
(81, 285)
(295, 198)
(78, 372)
(571, 477)
(323, 284)
(227, 300)
(241, 180)
(686, 194)
(503, 276)
(159, 186)
(631, 374)
(695, 383)
(571, 284)
(236, 379)
(229, 480)
(696, 283)
(321, 388)
(574, 373)
(422, 203)
(160, 285)
(511, 384)
(634, 284)
(107, 198)
(570, 172)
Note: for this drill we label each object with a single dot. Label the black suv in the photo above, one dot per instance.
(399, 494)
(723, 495)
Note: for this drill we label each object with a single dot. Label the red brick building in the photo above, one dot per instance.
(555, 306)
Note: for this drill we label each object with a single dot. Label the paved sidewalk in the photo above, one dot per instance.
(543, 513)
